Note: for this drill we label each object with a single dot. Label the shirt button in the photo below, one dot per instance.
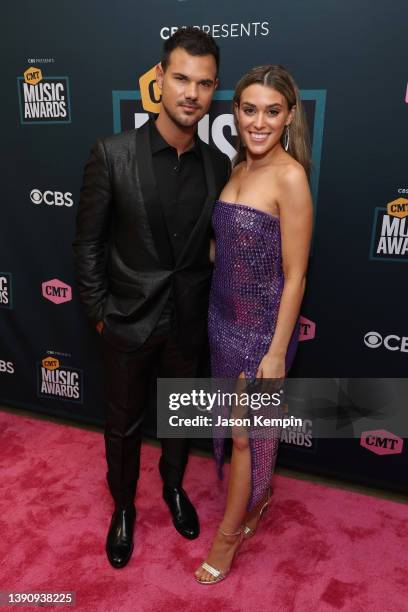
(176, 168)
(175, 235)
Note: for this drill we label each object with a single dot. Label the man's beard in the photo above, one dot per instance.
(182, 121)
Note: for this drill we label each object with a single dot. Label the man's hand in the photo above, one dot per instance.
(99, 327)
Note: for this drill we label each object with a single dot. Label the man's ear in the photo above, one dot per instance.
(159, 75)
(216, 83)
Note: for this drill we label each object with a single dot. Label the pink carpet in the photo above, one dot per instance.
(319, 549)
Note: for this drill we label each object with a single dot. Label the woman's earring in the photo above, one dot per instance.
(286, 138)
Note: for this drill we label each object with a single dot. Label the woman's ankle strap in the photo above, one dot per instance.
(235, 533)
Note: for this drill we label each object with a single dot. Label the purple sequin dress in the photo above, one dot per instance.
(245, 295)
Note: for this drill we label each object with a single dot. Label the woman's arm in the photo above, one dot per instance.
(296, 215)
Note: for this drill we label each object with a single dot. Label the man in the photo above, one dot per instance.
(142, 259)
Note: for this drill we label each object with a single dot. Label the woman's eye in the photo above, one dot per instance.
(248, 111)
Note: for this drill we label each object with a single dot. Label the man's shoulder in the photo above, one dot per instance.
(116, 141)
(119, 144)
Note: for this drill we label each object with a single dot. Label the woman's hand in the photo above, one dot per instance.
(271, 366)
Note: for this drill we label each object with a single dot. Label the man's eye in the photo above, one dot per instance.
(180, 78)
(205, 84)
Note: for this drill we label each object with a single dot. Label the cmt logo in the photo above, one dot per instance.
(381, 442)
(32, 76)
(307, 329)
(50, 363)
(398, 208)
(57, 198)
(6, 367)
(392, 342)
(150, 92)
(56, 291)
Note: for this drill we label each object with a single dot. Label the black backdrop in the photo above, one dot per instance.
(349, 60)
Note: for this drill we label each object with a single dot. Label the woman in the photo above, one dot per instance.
(262, 224)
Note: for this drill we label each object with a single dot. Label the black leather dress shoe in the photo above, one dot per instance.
(119, 543)
(185, 517)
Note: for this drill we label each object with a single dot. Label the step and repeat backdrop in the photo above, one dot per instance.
(73, 72)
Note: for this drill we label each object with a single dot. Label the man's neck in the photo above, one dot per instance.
(178, 137)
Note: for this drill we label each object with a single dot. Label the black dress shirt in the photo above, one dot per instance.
(182, 190)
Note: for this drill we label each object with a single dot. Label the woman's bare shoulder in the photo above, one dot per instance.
(290, 172)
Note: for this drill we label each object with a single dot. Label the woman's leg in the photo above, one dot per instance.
(239, 487)
(252, 517)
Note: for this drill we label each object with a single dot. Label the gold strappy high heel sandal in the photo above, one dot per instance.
(218, 574)
(247, 531)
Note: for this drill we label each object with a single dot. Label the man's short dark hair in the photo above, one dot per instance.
(192, 40)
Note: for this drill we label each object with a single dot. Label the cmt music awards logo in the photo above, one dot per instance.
(43, 99)
(382, 442)
(131, 108)
(390, 232)
(299, 436)
(5, 290)
(59, 381)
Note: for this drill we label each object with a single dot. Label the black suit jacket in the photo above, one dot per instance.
(123, 255)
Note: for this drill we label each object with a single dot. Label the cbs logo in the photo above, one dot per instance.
(52, 198)
(392, 342)
(6, 367)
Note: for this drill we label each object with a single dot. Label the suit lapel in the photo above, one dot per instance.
(151, 197)
(205, 216)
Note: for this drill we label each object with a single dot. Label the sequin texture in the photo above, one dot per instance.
(246, 289)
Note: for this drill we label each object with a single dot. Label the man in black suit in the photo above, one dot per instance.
(143, 269)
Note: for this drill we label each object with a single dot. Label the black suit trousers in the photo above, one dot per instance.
(128, 377)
